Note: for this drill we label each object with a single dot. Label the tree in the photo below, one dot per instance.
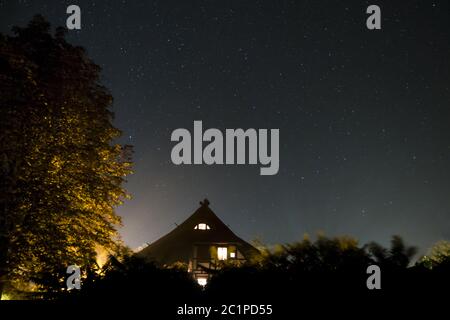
(61, 171)
(398, 257)
(132, 278)
(323, 255)
(438, 256)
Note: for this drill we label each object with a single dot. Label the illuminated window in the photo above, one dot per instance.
(202, 281)
(222, 253)
(202, 226)
(232, 254)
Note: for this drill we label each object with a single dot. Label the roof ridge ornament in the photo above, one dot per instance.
(205, 203)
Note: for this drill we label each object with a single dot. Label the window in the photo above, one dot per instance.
(222, 253)
(232, 254)
(202, 226)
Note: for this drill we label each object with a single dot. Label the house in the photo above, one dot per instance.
(203, 242)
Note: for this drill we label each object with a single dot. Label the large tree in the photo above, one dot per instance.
(61, 169)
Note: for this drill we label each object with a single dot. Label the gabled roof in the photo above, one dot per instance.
(178, 244)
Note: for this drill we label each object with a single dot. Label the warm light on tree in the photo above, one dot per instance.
(62, 171)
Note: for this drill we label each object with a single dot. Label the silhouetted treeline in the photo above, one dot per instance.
(325, 268)
(331, 267)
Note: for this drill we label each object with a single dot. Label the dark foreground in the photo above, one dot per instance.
(245, 294)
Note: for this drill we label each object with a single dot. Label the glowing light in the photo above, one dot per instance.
(202, 281)
(232, 254)
(222, 253)
(202, 226)
(5, 297)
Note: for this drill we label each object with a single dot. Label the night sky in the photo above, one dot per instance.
(363, 115)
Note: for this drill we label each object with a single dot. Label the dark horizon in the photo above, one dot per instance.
(363, 115)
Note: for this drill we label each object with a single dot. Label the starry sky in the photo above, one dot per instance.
(363, 115)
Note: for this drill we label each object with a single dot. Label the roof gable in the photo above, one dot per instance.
(177, 245)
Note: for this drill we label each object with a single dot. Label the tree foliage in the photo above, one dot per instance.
(398, 256)
(61, 172)
(326, 269)
(438, 256)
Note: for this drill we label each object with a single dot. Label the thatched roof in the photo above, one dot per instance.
(178, 244)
